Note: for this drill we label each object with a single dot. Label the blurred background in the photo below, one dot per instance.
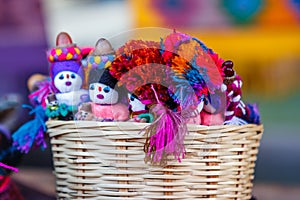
(261, 37)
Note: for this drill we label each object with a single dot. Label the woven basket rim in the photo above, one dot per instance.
(70, 122)
(89, 124)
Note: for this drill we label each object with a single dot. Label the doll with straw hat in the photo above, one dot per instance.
(104, 92)
(66, 72)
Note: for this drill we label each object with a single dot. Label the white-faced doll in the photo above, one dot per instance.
(104, 95)
(66, 72)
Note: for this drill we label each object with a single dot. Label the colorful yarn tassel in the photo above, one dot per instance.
(32, 131)
(39, 96)
(165, 136)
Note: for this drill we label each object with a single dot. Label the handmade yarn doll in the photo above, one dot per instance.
(52, 110)
(232, 85)
(237, 112)
(138, 111)
(66, 72)
(105, 97)
(103, 91)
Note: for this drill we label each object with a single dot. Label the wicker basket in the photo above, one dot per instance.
(106, 161)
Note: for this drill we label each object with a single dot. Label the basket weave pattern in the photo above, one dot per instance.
(106, 161)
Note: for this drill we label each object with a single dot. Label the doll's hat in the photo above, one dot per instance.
(102, 76)
(66, 56)
(101, 56)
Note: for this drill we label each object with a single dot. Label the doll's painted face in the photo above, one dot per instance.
(135, 104)
(67, 81)
(103, 94)
(53, 103)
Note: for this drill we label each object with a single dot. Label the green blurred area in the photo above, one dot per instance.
(279, 112)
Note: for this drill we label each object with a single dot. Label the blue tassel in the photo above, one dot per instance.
(32, 131)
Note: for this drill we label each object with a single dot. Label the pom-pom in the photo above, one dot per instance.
(135, 53)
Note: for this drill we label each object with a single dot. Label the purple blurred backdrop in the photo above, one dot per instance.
(22, 44)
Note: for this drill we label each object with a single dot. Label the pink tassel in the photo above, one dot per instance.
(40, 96)
(165, 136)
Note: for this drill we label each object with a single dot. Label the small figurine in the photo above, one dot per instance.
(103, 91)
(52, 109)
(66, 72)
(55, 110)
(237, 112)
(85, 113)
(138, 111)
(233, 84)
(104, 97)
